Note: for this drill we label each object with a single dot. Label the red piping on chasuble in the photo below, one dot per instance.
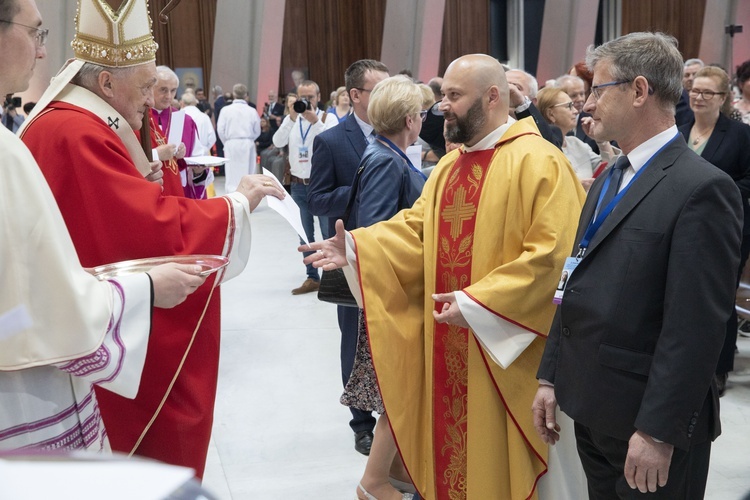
(457, 220)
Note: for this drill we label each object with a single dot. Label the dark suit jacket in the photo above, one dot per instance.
(336, 155)
(635, 342)
(728, 148)
(544, 127)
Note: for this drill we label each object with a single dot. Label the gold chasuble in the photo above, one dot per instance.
(496, 224)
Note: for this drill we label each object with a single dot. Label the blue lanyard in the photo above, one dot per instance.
(401, 154)
(304, 134)
(597, 222)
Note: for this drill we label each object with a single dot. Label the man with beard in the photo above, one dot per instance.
(457, 293)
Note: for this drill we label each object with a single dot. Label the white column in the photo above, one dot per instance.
(412, 34)
(569, 27)
(247, 46)
(59, 17)
(716, 45)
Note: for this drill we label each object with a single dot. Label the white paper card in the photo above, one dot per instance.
(286, 208)
(205, 160)
(176, 126)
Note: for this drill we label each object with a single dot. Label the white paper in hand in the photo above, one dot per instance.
(286, 208)
(176, 126)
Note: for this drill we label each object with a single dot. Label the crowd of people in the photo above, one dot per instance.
(544, 293)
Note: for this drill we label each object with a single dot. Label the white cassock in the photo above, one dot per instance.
(61, 329)
(206, 134)
(238, 127)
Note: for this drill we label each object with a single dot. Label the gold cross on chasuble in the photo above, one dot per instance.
(458, 212)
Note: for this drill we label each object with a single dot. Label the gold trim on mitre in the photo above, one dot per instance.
(114, 39)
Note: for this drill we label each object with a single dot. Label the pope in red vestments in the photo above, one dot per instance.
(82, 136)
(114, 214)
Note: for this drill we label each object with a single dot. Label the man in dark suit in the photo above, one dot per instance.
(273, 111)
(634, 344)
(336, 156)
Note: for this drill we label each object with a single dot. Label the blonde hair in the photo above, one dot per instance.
(337, 94)
(723, 80)
(546, 98)
(391, 101)
(428, 96)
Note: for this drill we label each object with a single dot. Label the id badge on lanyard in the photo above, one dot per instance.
(570, 265)
(304, 154)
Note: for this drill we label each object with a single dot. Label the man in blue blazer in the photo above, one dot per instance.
(633, 347)
(336, 156)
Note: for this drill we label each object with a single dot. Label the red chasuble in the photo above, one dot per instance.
(114, 214)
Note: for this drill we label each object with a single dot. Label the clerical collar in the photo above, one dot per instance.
(364, 126)
(490, 139)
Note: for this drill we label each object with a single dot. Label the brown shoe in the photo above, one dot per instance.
(310, 285)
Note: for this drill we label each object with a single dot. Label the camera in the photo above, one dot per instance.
(301, 105)
(12, 102)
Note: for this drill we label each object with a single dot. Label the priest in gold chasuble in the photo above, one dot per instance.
(457, 293)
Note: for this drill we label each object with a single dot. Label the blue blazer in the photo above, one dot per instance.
(336, 156)
(386, 186)
(728, 148)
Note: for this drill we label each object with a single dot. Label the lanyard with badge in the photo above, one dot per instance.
(304, 151)
(600, 214)
(398, 151)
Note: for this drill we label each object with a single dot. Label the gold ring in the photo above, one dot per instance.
(268, 184)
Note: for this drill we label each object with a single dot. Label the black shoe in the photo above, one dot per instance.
(363, 442)
(721, 383)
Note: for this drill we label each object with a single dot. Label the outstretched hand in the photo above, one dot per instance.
(256, 186)
(328, 254)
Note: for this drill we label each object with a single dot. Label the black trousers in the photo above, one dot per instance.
(603, 459)
(348, 323)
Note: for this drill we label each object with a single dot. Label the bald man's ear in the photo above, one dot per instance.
(494, 94)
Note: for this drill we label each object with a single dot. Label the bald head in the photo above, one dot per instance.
(476, 98)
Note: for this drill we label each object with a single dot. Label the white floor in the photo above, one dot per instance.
(279, 430)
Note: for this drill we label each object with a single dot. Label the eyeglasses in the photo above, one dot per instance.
(705, 94)
(568, 105)
(597, 93)
(423, 114)
(41, 34)
(363, 90)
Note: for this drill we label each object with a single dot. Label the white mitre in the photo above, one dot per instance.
(114, 39)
